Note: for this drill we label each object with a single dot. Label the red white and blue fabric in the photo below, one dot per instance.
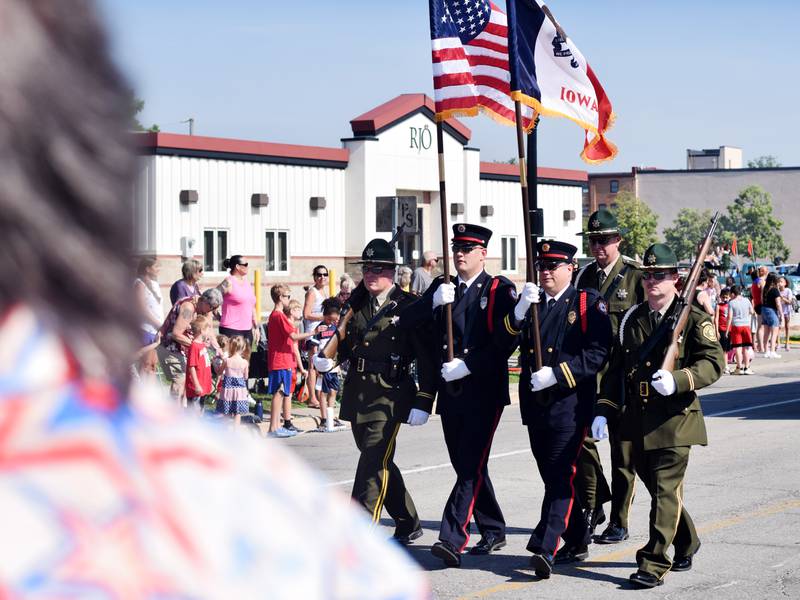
(469, 40)
(112, 499)
(550, 74)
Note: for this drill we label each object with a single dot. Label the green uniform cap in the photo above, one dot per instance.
(659, 256)
(378, 252)
(601, 222)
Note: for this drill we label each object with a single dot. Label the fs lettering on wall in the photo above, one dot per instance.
(421, 138)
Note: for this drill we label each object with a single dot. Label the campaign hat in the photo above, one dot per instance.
(601, 222)
(378, 252)
(659, 256)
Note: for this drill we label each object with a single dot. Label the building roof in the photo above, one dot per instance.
(403, 106)
(509, 172)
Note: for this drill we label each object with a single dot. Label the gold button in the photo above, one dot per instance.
(466, 351)
(549, 349)
(363, 378)
(644, 400)
(392, 337)
(530, 351)
(366, 343)
(647, 364)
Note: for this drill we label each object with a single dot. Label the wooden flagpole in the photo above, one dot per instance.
(448, 308)
(530, 240)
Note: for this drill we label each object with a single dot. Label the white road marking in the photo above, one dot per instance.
(724, 585)
(749, 408)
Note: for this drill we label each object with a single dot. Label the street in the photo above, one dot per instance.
(743, 492)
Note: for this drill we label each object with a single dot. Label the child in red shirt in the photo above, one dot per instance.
(198, 364)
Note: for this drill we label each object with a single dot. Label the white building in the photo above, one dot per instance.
(288, 208)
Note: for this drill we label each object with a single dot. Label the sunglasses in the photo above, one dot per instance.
(463, 249)
(286, 295)
(549, 265)
(376, 269)
(656, 275)
(243, 264)
(601, 240)
(320, 274)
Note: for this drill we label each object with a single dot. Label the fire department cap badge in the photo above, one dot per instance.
(545, 247)
(461, 229)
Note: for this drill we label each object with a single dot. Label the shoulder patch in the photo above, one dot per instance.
(709, 332)
(602, 306)
(512, 291)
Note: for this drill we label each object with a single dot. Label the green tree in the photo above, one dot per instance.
(137, 106)
(750, 217)
(637, 222)
(689, 227)
(763, 162)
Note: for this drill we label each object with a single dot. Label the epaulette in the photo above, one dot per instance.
(631, 261)
(628, 313)
(582, 271)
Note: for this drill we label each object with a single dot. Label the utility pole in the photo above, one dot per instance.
(190, 121)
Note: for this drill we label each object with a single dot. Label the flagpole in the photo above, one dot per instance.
(530, 240)
(448, 308)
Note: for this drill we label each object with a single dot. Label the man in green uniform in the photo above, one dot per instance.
(619, 281)
(660, 415)
(379, 391)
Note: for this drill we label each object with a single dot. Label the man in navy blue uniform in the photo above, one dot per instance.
(557, 401)
(474, 387)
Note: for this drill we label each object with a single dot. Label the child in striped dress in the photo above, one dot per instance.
(234, 396)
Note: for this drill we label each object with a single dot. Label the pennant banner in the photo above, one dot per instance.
(549, 74)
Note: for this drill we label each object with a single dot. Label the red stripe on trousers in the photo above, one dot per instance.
(478, 485)
(572, 486)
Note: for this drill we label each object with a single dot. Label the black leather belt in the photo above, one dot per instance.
(364, 365)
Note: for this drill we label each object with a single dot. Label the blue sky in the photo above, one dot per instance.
(680, 74)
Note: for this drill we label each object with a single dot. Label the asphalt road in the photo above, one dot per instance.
(743, 492)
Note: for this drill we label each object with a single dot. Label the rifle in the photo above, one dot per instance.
(685, 299)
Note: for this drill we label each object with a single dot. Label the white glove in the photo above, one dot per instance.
(599, 428)
(417, 417)
(444, 294)
(543, 378)
(529, 295)
(455, 369)
(664, 382)
(322, 364)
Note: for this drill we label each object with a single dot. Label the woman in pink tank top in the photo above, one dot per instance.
(238, 302)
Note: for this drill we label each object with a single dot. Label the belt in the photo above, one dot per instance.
(364, 365)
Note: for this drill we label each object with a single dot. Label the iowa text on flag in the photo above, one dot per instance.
(549, 74)
(469, 39)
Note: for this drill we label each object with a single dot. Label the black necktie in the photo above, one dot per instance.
(550, 304)
(374, 306)
(462, 289)
(601, 278)
(655, 318)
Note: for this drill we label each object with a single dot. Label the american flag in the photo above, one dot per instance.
(469, 39)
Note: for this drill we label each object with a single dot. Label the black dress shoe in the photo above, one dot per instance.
(404, 539)
(642, 579)
(447, 552)
(488, 544)
(613, 534)
(594, 517)
(571, 554)
(542, 565)
(683, 563)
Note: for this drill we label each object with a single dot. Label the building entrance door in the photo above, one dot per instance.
(411, 244)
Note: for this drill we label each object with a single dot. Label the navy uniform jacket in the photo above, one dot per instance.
(480, 339)
(575, 356)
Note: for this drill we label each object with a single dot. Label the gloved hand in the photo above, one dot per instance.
(599, 428)
(444, 294)
(455, 369)
(417, 417)
(542, 379)
(322, 364)
(529, 295)
(358, 297)
(664, 383)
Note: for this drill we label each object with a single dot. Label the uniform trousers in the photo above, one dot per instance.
(556, 452)
(469, 440)
(662, 471)
(378, 481)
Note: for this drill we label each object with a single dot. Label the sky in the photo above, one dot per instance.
(680, 74)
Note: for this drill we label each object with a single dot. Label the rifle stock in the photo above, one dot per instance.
(687, 297)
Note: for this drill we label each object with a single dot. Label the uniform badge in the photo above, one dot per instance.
(461, 229)
(395, 320)
(602, 307)
(572, 317)
(596, 224)
(708, 331)
(622, 293)
(369, 252)
(651, 260)
(484, 302)
(545, 247)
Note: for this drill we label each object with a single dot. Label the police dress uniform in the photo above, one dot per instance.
(575, 334)
(661, 430)
(471, 407)
(379, 393)
(621, 288)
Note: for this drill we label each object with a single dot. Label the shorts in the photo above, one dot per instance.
(280, 379)
(327, 382)
(247, 334)
(173, 364)
(741, 337)
(724, 341)
(195, 401)
(769, 318)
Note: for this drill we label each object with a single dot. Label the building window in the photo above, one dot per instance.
(277, 254)
(614, 186)
(508, 261)
(215, 249)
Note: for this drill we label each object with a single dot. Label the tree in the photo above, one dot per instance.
(750, 217)
(763, 162)
(137, 106)
(688, 229)
(637, 222)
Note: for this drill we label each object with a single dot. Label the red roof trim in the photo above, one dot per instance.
(374, 120)
(508, 170)
(213, 144)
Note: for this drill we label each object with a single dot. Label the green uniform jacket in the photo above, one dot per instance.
(372, 396)
(625, 293)
(662, 422)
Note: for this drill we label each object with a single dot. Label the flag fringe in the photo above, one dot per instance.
(473, 111)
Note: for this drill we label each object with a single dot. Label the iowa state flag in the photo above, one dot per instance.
(549, 74)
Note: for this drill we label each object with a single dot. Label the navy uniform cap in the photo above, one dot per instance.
(466, 234)
(555, 250)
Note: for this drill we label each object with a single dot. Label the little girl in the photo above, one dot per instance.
(234, 396)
